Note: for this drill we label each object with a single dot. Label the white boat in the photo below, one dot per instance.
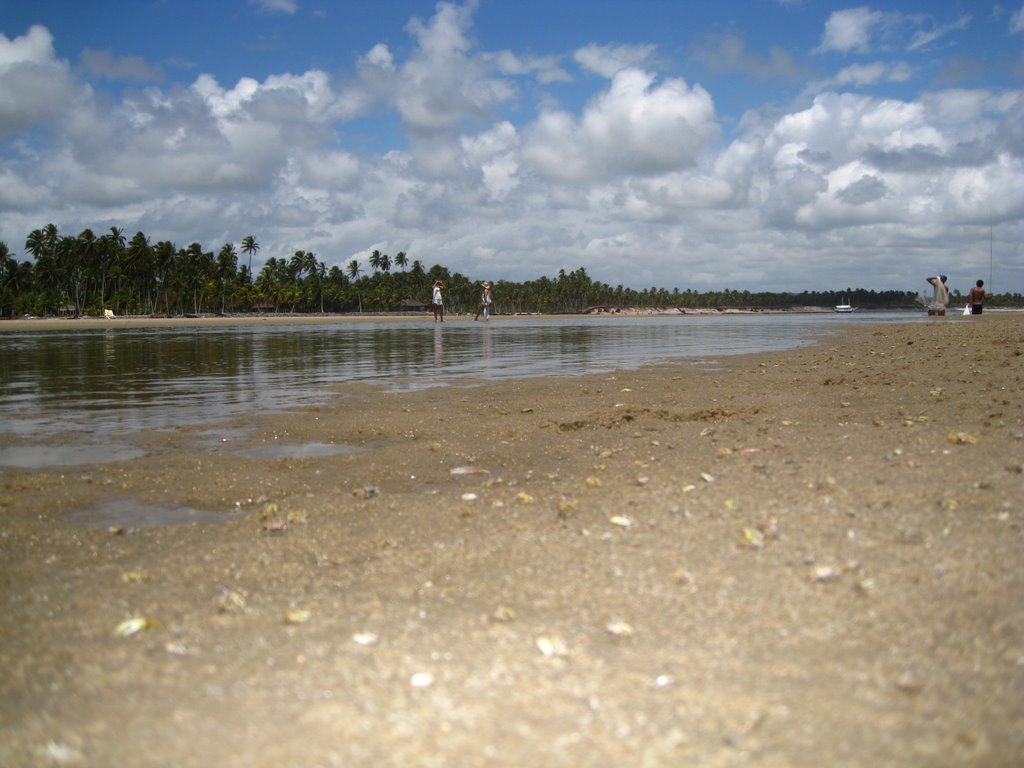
(844, 307)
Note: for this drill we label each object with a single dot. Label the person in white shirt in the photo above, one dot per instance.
(438, 302)
(941, 297)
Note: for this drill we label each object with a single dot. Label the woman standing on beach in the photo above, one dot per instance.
(438, 302)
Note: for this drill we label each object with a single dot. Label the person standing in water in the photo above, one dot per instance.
(941, 297)
(977, 297)
(485, 302)
(438, 302)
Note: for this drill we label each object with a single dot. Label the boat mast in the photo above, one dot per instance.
(990, 251)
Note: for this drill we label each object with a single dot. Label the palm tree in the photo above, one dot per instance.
(375, 260)
(227, 264)
(353, 270)
(385, 263)
(250, 246)
(401, 260)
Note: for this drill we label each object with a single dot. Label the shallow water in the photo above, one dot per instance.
(88, 388)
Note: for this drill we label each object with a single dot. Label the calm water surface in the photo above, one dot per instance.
(104, 383)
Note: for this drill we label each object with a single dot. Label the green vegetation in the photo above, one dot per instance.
(85, 274)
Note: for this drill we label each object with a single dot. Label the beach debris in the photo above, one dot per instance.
(753, 538)
(866, 585)
(790, 423)
(297, 516)
(935, 391)
(663, 681)
(366, 492)
(134, 577)
(620, 520)
(565, 507)
(468, 471)
(469, 497)
(504, 613)
(275, 525)
(593, 482)
(297, 616)
(552, 646)
(879, 422)
(526, 410)
(55, 753)
(421, 680)
(689, 487)
(961, 438)
(230, 600)
(908, 682)
(643, 480)
(524, 498)
(707, 477)
(707, 431)
(619, 629)
(365, 639)
(682, 576)
(821, 574)
(723, 453)
(133, 626)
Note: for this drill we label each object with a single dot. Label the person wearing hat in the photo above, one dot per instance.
(941, 297)
(438, 301)
(485, 302)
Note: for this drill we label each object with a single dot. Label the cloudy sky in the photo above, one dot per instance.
(709, 144)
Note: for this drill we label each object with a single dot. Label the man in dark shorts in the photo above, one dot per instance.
(977, 297)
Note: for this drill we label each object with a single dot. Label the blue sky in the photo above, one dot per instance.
(755, 144)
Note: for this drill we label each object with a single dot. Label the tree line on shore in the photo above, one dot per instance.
(86, 274)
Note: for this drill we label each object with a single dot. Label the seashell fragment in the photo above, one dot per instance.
(620, 520)
(824, 573)
(467, 471)
(552, 646)
(421, 680)
(132, 626)
(619, 629)
(753, 538)
(296, 616)
(504, 613)
(365, 638)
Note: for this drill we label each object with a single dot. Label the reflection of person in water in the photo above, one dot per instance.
(438, 348)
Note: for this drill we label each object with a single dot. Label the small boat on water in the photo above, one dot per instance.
(845, 306)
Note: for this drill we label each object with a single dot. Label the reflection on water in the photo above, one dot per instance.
(298, 450)
(129, 513)
(104, 383)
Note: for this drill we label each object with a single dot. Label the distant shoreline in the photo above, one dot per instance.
(156, 321)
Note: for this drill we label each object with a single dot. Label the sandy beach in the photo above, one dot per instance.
(798, 559)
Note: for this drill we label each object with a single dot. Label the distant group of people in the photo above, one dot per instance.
(484, 308)
(975, 299)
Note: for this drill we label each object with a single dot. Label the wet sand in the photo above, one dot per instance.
(800, 559)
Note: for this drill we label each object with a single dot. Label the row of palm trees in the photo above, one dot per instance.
(89, 273)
